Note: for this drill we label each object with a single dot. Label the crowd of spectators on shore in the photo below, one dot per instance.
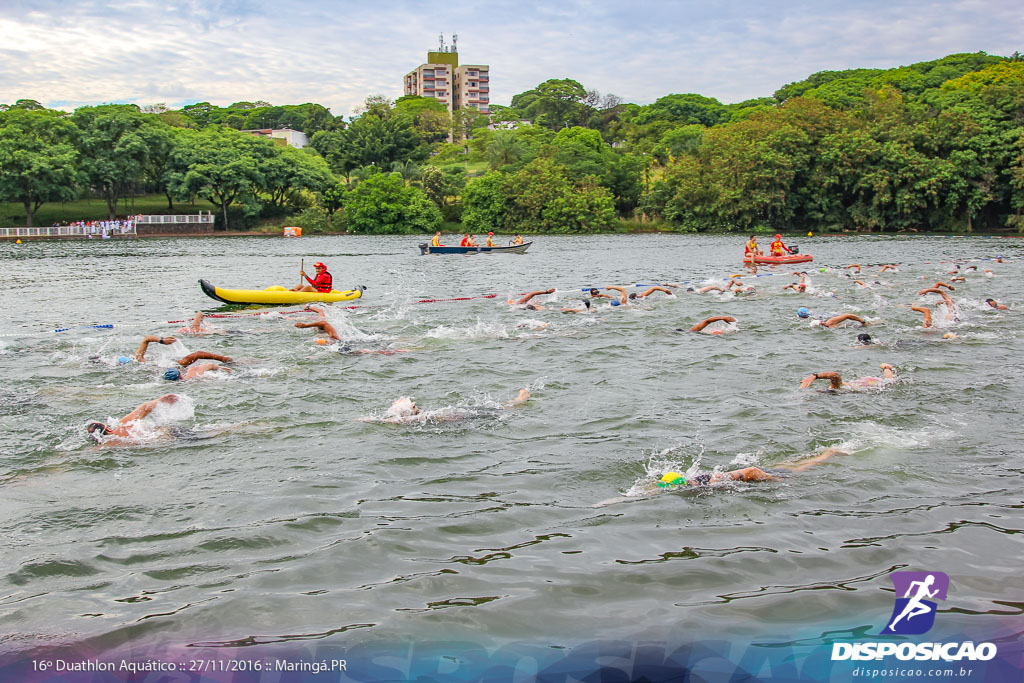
(102, 229)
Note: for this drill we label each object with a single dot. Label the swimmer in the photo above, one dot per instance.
(652, 290)
(854, 266)
(937, 286)
(404, 410)
(740, 288)
(926, 312)
(890, 266)
(835, 321)
(623, 299)
(525, 299)
(196, 327)
(950, 306)
(193, 371)
(585, 309)
(140, 353)
(836, 380)
(996, 305)
(324, 327)
(714, 319)
(974, 268)
(710, 288)
(321, 324)
(674, 479)
(122, 430)
(864, 339)
(798, 286)
(595, 294)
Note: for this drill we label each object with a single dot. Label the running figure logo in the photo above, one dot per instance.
(914, 613)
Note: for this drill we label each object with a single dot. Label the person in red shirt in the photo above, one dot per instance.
(777, 247)
(323, 282)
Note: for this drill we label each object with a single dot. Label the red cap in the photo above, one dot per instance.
(319, 265)
(490, 233)
(778, 237)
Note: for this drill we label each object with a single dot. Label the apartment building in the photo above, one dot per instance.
(441, 77)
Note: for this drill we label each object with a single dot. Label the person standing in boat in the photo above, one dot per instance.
(490, 239)
(323, 282)
(436, 242)
(751, 249)
(777, 247)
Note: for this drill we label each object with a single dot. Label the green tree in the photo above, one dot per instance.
(38, 160)
(505, 148)
(444, 186)
(286, 171)
(383, 204)
(114, 141)
(221, 166)
(332, 198)
(537, 198)
(199, 113)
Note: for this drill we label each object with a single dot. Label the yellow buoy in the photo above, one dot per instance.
(18, 242)
(810, 234)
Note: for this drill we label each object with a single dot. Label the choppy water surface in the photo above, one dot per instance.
(286, 508)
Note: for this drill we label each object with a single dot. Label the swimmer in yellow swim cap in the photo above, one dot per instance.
(673, 479)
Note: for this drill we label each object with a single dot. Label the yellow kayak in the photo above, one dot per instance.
(276, 295)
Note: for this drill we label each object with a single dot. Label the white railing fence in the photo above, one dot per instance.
(117, 229)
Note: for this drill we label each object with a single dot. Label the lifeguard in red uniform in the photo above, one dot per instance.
(751, 249)
(778, 247)
(323, 282)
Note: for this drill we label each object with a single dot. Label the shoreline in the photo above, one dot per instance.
(168, 235)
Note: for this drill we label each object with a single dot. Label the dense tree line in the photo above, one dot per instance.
(935, 146)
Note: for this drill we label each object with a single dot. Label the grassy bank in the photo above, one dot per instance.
(13, 215)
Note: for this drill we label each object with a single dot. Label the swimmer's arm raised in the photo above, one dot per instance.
(202, 355)
(704, 323)
(144, 410)
(834, 378)
(926, 312)
(140, 353)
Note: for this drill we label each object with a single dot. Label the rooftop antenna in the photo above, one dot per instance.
(455, 40)
(440, 41)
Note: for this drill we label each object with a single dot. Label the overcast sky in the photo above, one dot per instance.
(66, 53)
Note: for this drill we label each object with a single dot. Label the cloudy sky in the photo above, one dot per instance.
(66, 53)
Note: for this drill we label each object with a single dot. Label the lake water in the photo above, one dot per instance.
(284, 512)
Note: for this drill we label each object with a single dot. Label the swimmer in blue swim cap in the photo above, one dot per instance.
(172, 374)
(123, 360)
(803, 312)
